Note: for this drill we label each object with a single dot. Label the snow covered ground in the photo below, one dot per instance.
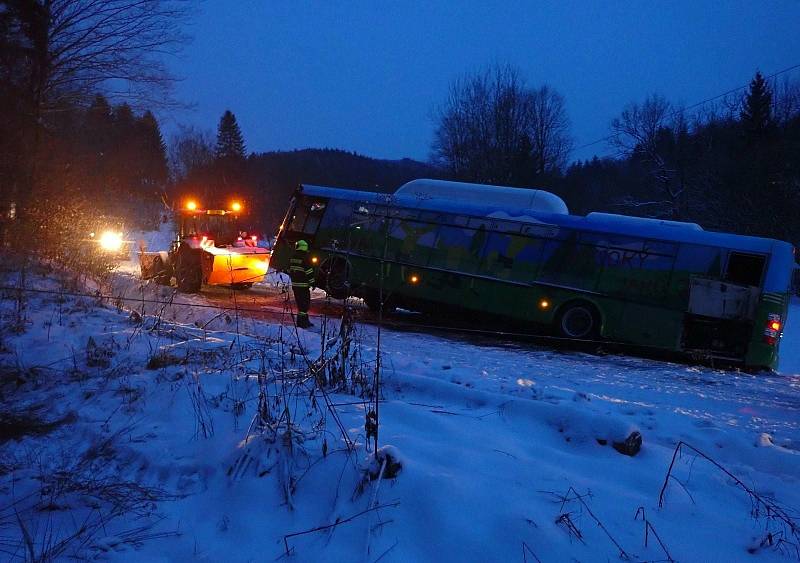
(140, 437)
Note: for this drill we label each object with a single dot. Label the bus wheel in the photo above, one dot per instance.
(578, 320)
(334, 277)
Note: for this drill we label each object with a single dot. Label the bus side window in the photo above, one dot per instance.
(507, 256)
(527, 259)
(458, 249)
(410, 241)
(496, 257)
(745, 269)
(367, 235)
(565, 262)
(640, 271)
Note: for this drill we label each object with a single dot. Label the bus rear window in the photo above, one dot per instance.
(745, 269)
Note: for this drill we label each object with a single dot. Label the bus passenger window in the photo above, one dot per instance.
(745, 269)
(572, 265)
(527, 256)
(496, 257)
(367, 236)
(511, 257)
(410, 241)
(458, 249)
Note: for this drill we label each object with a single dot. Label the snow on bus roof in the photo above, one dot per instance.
(673, 231)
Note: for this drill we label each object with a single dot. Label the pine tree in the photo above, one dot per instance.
(154, 152)
(230, 143)
(758, 182)
(756, 115)
(98, 139)
(98, 124)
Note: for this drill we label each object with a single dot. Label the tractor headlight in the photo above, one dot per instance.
(111, 241)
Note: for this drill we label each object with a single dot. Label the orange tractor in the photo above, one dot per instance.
(209, 249)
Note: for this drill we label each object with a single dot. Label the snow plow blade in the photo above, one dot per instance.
(231, 266)
(152, 263)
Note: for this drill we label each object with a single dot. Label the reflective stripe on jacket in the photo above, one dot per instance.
(301, 272)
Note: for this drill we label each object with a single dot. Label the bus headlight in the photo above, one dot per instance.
(111, 241)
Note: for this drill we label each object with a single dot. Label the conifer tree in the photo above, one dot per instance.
(154, 152)
(230, 143)
(756, 115)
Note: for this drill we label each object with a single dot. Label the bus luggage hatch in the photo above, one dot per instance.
(722, 300)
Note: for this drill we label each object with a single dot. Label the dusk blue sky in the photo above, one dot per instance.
(367, 76)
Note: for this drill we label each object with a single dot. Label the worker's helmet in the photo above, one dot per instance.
(301, 245)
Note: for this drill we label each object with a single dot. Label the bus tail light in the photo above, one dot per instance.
(773, 329)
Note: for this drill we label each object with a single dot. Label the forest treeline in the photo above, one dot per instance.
(732, 167)
(71, 162)
(80, 144)
(732, 164)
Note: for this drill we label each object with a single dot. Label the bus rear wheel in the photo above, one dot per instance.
(579, 321)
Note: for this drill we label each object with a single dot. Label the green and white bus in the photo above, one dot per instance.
(518, 254)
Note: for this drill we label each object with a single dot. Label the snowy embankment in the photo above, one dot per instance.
(146, 432)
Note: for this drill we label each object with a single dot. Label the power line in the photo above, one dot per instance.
(695, 105)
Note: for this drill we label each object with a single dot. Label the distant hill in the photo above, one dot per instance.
(276, 175)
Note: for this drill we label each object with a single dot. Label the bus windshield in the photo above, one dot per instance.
(306, 216)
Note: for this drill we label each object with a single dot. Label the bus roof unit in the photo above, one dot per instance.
(503, 196)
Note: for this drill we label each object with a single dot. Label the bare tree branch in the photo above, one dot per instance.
(492, 128)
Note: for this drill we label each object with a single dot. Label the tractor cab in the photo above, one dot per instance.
(214, 224)
(215, 227)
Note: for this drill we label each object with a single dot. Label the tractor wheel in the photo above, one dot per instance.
(187, 271)
(334, 277)
(579, 320)
(162, 276)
